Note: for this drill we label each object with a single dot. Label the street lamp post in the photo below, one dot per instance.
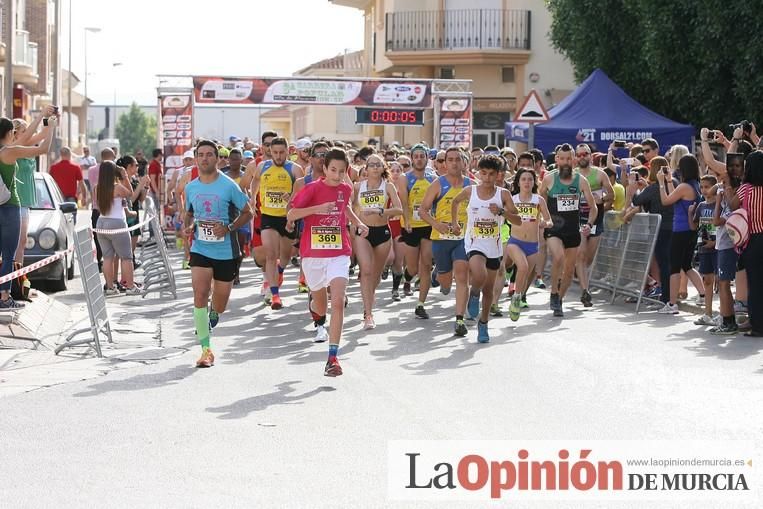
(93, 30)
(114, 125)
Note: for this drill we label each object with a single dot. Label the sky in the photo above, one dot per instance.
(222, 37)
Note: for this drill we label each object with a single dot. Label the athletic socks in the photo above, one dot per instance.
(333, 351)
(396, 278)
(274, 290)
(459, 317)
(201, 321)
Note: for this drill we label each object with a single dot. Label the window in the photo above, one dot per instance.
(507, 74)
(447, 73)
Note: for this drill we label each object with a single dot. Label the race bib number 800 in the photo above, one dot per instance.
(326, 237)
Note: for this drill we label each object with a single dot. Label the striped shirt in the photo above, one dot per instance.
(754, 207)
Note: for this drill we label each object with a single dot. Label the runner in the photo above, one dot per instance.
(488, 205)
(562, 191)
(397, 251)
(603, 193)
(234, 171)
(523, 243)
(325, 248)
(506, 270)
(370, 203)
(215, 208)
(191, 172)
(416, 232)
(447, 243)
(273, 182)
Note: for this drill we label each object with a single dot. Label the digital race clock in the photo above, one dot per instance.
(387, 116)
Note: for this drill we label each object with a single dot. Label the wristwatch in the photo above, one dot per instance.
(230, 227)
(381, 211)
(501, 211)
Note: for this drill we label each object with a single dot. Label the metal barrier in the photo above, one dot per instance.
(621, 264)
(157, 268)
(96, 301)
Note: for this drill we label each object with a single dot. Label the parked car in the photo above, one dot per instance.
(51, 229)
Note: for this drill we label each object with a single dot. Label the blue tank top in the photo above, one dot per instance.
(681, 210)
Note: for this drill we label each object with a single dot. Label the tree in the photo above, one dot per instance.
(136, 130)
(693, 61)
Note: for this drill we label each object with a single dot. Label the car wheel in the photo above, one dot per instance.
(70, 270)
(59, 285)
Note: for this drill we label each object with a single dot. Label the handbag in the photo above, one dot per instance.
(738, 225)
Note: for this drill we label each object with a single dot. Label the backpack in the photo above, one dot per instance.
(738, 225)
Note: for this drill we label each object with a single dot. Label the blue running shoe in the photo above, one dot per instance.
(473, 306)
(213, 319)
(482, 335)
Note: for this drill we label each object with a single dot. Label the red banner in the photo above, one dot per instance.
(455, 121)
(326, 91)
(176, 127)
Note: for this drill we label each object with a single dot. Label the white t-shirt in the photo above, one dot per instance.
(86, 162)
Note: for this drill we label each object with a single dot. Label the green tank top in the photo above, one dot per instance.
(8, 174)
(25, 182)
(592, 178)
(558, 188)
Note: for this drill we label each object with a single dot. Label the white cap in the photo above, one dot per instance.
(189, 155)
(304, 143)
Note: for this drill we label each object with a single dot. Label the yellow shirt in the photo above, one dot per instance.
(619, 203)
(442, 209)
(275, 182)
(416, 190)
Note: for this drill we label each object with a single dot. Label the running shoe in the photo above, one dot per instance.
(540, 284)
(407, 289)
(276, 302)
(461, 329)
(214, 318)
(495, 310)
(385, 273)
(321, 334)
(186, 265)
(482, 334)
(421, 312)
(668, 309)
(586, 299)
(444, 291)
(435, 282)
(416, 283)
(236, 281)
(9, 303)
(332, 368)
(705, 320)
(352, 270)
(368, 323)
(654, 293)
(740, 307)
(514, 308)
(396, 296)
(295, 261)
(207, 359)
(554, 302)
(303, 287)
(724, 329)
(135, 290)
(473, 307)
(700, 300)
(119, 286)
(111, 292)
(558, 311)
(523, 302)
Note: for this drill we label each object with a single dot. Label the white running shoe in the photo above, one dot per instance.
(705, 320)
(369, 323)
(321, 334)
(668, 309)
(134, 291)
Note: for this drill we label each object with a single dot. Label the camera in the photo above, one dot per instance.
(619, 144)
(746, 126)
(665, 170)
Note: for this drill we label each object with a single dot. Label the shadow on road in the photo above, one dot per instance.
(281, 396)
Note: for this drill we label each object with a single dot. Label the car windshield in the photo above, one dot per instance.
(44, 200)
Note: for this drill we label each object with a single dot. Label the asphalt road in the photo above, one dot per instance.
(265, 428)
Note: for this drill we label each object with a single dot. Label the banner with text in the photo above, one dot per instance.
(176, 127)
(455, 122)
(323, 91)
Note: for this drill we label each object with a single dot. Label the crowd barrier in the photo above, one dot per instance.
(621, 264)
(157, 268)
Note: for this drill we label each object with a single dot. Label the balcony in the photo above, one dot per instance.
(24, 59)
(459, 36)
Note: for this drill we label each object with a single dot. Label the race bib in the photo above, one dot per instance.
(416, 216)
(598, 195)
(372, 199)
(452, 236)
(567, 202)
(275, 200)
(528, 212)
(205, 231)
(487, 229)
(326, 237)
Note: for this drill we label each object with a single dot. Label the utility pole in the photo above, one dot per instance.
(10, 34)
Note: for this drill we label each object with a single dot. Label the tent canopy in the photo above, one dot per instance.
(599, 112)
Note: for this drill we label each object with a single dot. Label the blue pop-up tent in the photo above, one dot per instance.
(599, 112)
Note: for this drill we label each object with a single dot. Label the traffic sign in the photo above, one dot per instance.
(532, 109)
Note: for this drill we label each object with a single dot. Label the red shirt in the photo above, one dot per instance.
(66, 174)
(325, 235)
(751, 198)
(155, 168)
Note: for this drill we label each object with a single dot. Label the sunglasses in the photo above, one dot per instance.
(374, 165)
(320, 155)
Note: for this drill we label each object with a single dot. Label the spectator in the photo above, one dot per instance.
(10, 213)
(92, 175)
(155, 172)
(684, 239)
(85, 162)
(25, 135)
(676, 153)
(650, 150)
(142, 163)
(618, 204)
(750, 197)
(69, 178)
(727, 258)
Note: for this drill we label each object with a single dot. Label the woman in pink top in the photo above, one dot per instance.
(325, 206)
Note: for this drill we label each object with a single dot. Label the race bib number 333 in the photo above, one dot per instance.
(326, 237)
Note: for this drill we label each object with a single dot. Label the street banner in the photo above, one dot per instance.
(176, 128)
(454, 127)
(319, 91)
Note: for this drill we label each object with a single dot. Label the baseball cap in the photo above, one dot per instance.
(248, 153)
(222, 152)
(234, 138)
(189, 154)
(304, 143)
(432, 153)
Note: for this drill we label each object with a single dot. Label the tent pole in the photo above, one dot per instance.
(531, 136)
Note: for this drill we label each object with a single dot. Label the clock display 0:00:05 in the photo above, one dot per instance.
(389, 116)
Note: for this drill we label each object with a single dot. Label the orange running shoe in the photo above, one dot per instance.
(332, 368)
(207, 359)
(276, 302)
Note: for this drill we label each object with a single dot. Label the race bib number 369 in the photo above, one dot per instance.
(326, 237)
